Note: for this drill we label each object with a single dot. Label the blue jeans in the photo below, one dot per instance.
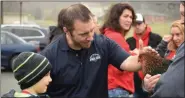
(118, 92)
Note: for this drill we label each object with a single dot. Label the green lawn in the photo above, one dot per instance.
(159, 28)
(45, 23)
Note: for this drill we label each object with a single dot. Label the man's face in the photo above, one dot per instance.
(140, 27)
(182, 12)
(83, 33)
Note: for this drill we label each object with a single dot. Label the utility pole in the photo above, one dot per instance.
(20, 12)
(1, 12)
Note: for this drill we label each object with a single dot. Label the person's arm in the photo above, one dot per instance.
(121, 59)
(116, 55)
(159, 39)
(144, 89)
(131, 64)
(171, 82)
(162, 46)
(131, 42)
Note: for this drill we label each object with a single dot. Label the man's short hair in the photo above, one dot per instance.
(75, 12)
(60, 18)
(182, 2)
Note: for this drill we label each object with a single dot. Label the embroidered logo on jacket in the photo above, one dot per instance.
(94, 57)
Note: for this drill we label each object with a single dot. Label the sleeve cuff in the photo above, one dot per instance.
(164, 42)
(144, 88)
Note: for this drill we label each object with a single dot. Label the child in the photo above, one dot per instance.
(32, 71)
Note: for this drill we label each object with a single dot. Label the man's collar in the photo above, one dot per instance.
(63, 43)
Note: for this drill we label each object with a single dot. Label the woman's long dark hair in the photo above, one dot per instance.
(113, 15)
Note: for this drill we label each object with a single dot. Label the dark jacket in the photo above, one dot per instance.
(13, 94)
(162, 48)
(54, 32)
(154, 40)
(171, 83)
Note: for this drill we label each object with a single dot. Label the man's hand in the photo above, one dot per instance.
(167, 38)
(143, 49)
(132, 63)
(150, 82)
(135, 51)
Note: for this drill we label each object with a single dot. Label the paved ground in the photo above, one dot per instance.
(8, 82)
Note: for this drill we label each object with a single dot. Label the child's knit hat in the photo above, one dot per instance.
(29, 68)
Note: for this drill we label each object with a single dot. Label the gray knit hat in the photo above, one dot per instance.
(29, 68)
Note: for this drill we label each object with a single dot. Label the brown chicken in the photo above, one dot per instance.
(153, 64)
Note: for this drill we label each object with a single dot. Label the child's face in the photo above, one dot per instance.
(41, 86)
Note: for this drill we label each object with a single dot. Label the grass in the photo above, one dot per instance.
(159, 28)
(45, 23)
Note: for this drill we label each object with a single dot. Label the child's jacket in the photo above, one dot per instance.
(13, 94)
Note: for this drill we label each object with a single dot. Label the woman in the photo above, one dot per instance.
(117, 24)
(169, 44)
(171, 83)
(162, 47)
(177, 32)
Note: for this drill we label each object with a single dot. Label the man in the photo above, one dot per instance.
(142, 31)
(181, 8)
(80, 58)
(173, 78)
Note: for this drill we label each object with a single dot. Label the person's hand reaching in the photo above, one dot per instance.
(150, 82)
(167, 38)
